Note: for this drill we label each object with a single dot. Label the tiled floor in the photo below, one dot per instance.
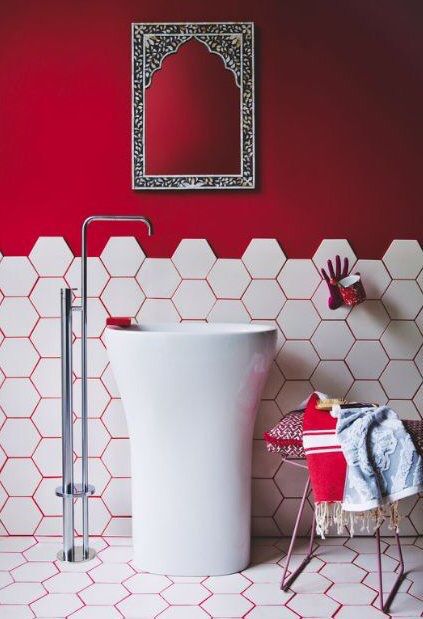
(339, 582)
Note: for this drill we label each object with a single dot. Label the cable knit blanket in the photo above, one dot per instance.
(383, 465)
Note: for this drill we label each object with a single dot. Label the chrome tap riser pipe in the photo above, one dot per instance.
(84, 382)
(67, 425)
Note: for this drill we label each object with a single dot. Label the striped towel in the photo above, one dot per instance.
(326, 464)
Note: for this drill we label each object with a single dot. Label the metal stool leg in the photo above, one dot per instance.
(286, 581)
(385, 607)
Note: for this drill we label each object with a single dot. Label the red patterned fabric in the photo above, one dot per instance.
(286, 437)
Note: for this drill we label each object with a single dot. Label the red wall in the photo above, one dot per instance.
(339, 124)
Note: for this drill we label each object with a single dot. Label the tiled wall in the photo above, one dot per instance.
(373, 352)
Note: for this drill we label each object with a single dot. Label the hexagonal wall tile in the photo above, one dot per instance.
(404, 259)
(329, 249)
(297, 359)
(96, 319)
(20, 516)
(18, 357)
(97, 276)
(46, 337)
(402, 339)
(122, 296)
(366, 359)
(228, 310)
(17, 276)
(98, 397)
(48, 457)
(368, 320)
(97, 359)
(291, 485)
(158, 278)
(114, 419)
(47, 377)
(99, 475)
(20, 477)
(263, 299)
(17, 316)
(401, 379)
(116, 457)
(122, 256)
(292, 394)
(299, 279)
(298, 319)
(405, 409)
(332, 339)
(403, 299)
(193, 258)
(193, 299)
(274, 382)
(320, 301)
(265, 497)
(51, 256)
(117, 496)
(46, 296)
(158, 310)
(228, 278)
(46, 499)
(268, 416)
(263, 258)
(333, 378)
(374, 276)
(98, 437)
(18, 397)
(367, 391)
(99, 517)
(18, 437)
(287, 513)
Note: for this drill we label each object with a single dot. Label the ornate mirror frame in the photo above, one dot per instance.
(234, 43)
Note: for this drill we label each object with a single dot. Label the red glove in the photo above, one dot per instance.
(335, 299)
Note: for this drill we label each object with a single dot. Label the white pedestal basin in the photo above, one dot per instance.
(190, 394)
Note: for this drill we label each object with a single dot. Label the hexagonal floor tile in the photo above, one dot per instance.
(367, 359)
(352, 593)
(56, 605)
(233, 583)
(344, 572)
(228, 278)
(35, 571)
(227, 605)
(263, 258)
(266, 593)
(313, 605)
(311, 583)
(184, 612)
(21, 593)
(158, 278)
(51, 256)
(193, 258)
(298, 319)
(299, 279)
(103, 593)
(263, 299)
(147, 583)
(141, 606)
(111, 572)
(122, 256)
(70, 582)
(185, 593)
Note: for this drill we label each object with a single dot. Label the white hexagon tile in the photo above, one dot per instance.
(373, 352)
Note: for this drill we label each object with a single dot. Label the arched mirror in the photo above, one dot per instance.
(193, 106)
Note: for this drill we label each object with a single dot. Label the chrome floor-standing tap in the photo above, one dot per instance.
(69, 491)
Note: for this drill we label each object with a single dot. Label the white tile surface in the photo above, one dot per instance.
(329, 249)
(297, 359)
(97, 276)
(263, 299)
(332, 339)
(401, 379)
(17, 276)
(20, 477)
(158, 310)
(228, 310)
(332, 377)
(122, 256)
(46, 337)
(264, 258)
(228, 278)
(193, 258)
(18, 357)
(298, 319)
(194, 299)
(404, 259)
(46, 296)
(368, 320)
(122, 296)
(28, 437)
(158, 278)
(51, 256)
(367, 359)
(18, 397)
(299, 278)
(402, 339)
(17, 316)
(403, 299)
(47, 377)
(374, 276)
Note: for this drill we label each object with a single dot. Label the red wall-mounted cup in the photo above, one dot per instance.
(352, 290)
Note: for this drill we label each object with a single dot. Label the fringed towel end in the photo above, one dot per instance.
(332, 514)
